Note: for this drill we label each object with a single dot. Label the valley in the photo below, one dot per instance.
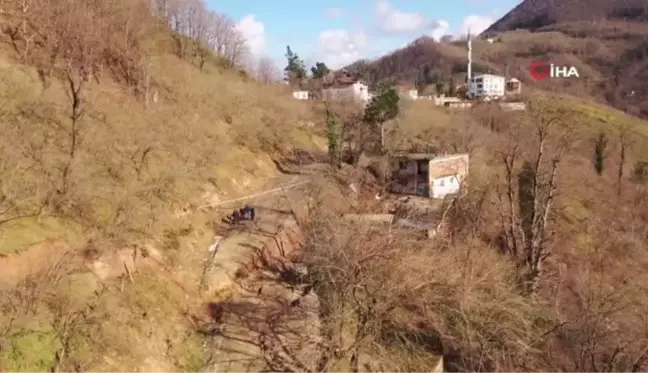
(388, 234)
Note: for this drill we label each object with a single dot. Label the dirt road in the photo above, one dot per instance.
(260, 326)
(258, 329)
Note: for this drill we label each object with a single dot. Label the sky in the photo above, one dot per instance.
(340, 32)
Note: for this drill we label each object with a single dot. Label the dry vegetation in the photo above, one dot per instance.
(610, 55)
(537, 206)
(86, 148)
(112, 120)
(542, 265)
(108, 131)
(391, 302)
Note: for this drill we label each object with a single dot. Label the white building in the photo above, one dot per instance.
(445, 101)
(486, 86)
(411, 94)
(346, 90)
(301, 95)
(427, 174)
(447, 174)
(445, 185)
(407, 92)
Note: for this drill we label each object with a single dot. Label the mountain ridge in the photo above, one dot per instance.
(607, 43)
(534, 14)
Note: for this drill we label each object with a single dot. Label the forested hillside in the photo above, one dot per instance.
(605, 41)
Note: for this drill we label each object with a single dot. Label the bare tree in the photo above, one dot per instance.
(74, 37)
(195, 14)
(181, 22)
(210, 31)
(592, 347)
(123, 36)
(525, 206)
(266, 70)
(358, 273)
(352, 280)
(389, 300)
(199, 18)
(356, 133)
(625, 142)
(225, 39)
(160, 9)
(464, 136)
(19, 25)
(606, 329)
(236, 49)
(221, 29)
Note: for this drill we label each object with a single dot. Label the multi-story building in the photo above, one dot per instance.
(486, 86)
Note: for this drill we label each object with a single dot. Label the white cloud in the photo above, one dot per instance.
(338, 48)
(476, 24)
(254, 32)
(394, 21)
(334, 12)
(442, 29)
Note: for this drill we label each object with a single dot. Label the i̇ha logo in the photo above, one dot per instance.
(542, 70)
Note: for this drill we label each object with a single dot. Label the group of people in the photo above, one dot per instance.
(244, 213)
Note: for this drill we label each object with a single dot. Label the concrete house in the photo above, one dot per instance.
(447, 174)
(428, 175)
(301, 95)
(407, 92)
(346, 89)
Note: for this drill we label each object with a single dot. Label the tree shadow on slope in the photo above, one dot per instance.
(266, 327)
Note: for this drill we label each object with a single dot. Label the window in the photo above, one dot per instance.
(441, 182)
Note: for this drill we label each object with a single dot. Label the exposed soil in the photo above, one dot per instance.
(257, 325)
(267, 325)
(17, 267)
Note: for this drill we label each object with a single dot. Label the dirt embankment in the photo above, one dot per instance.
(145, 294)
